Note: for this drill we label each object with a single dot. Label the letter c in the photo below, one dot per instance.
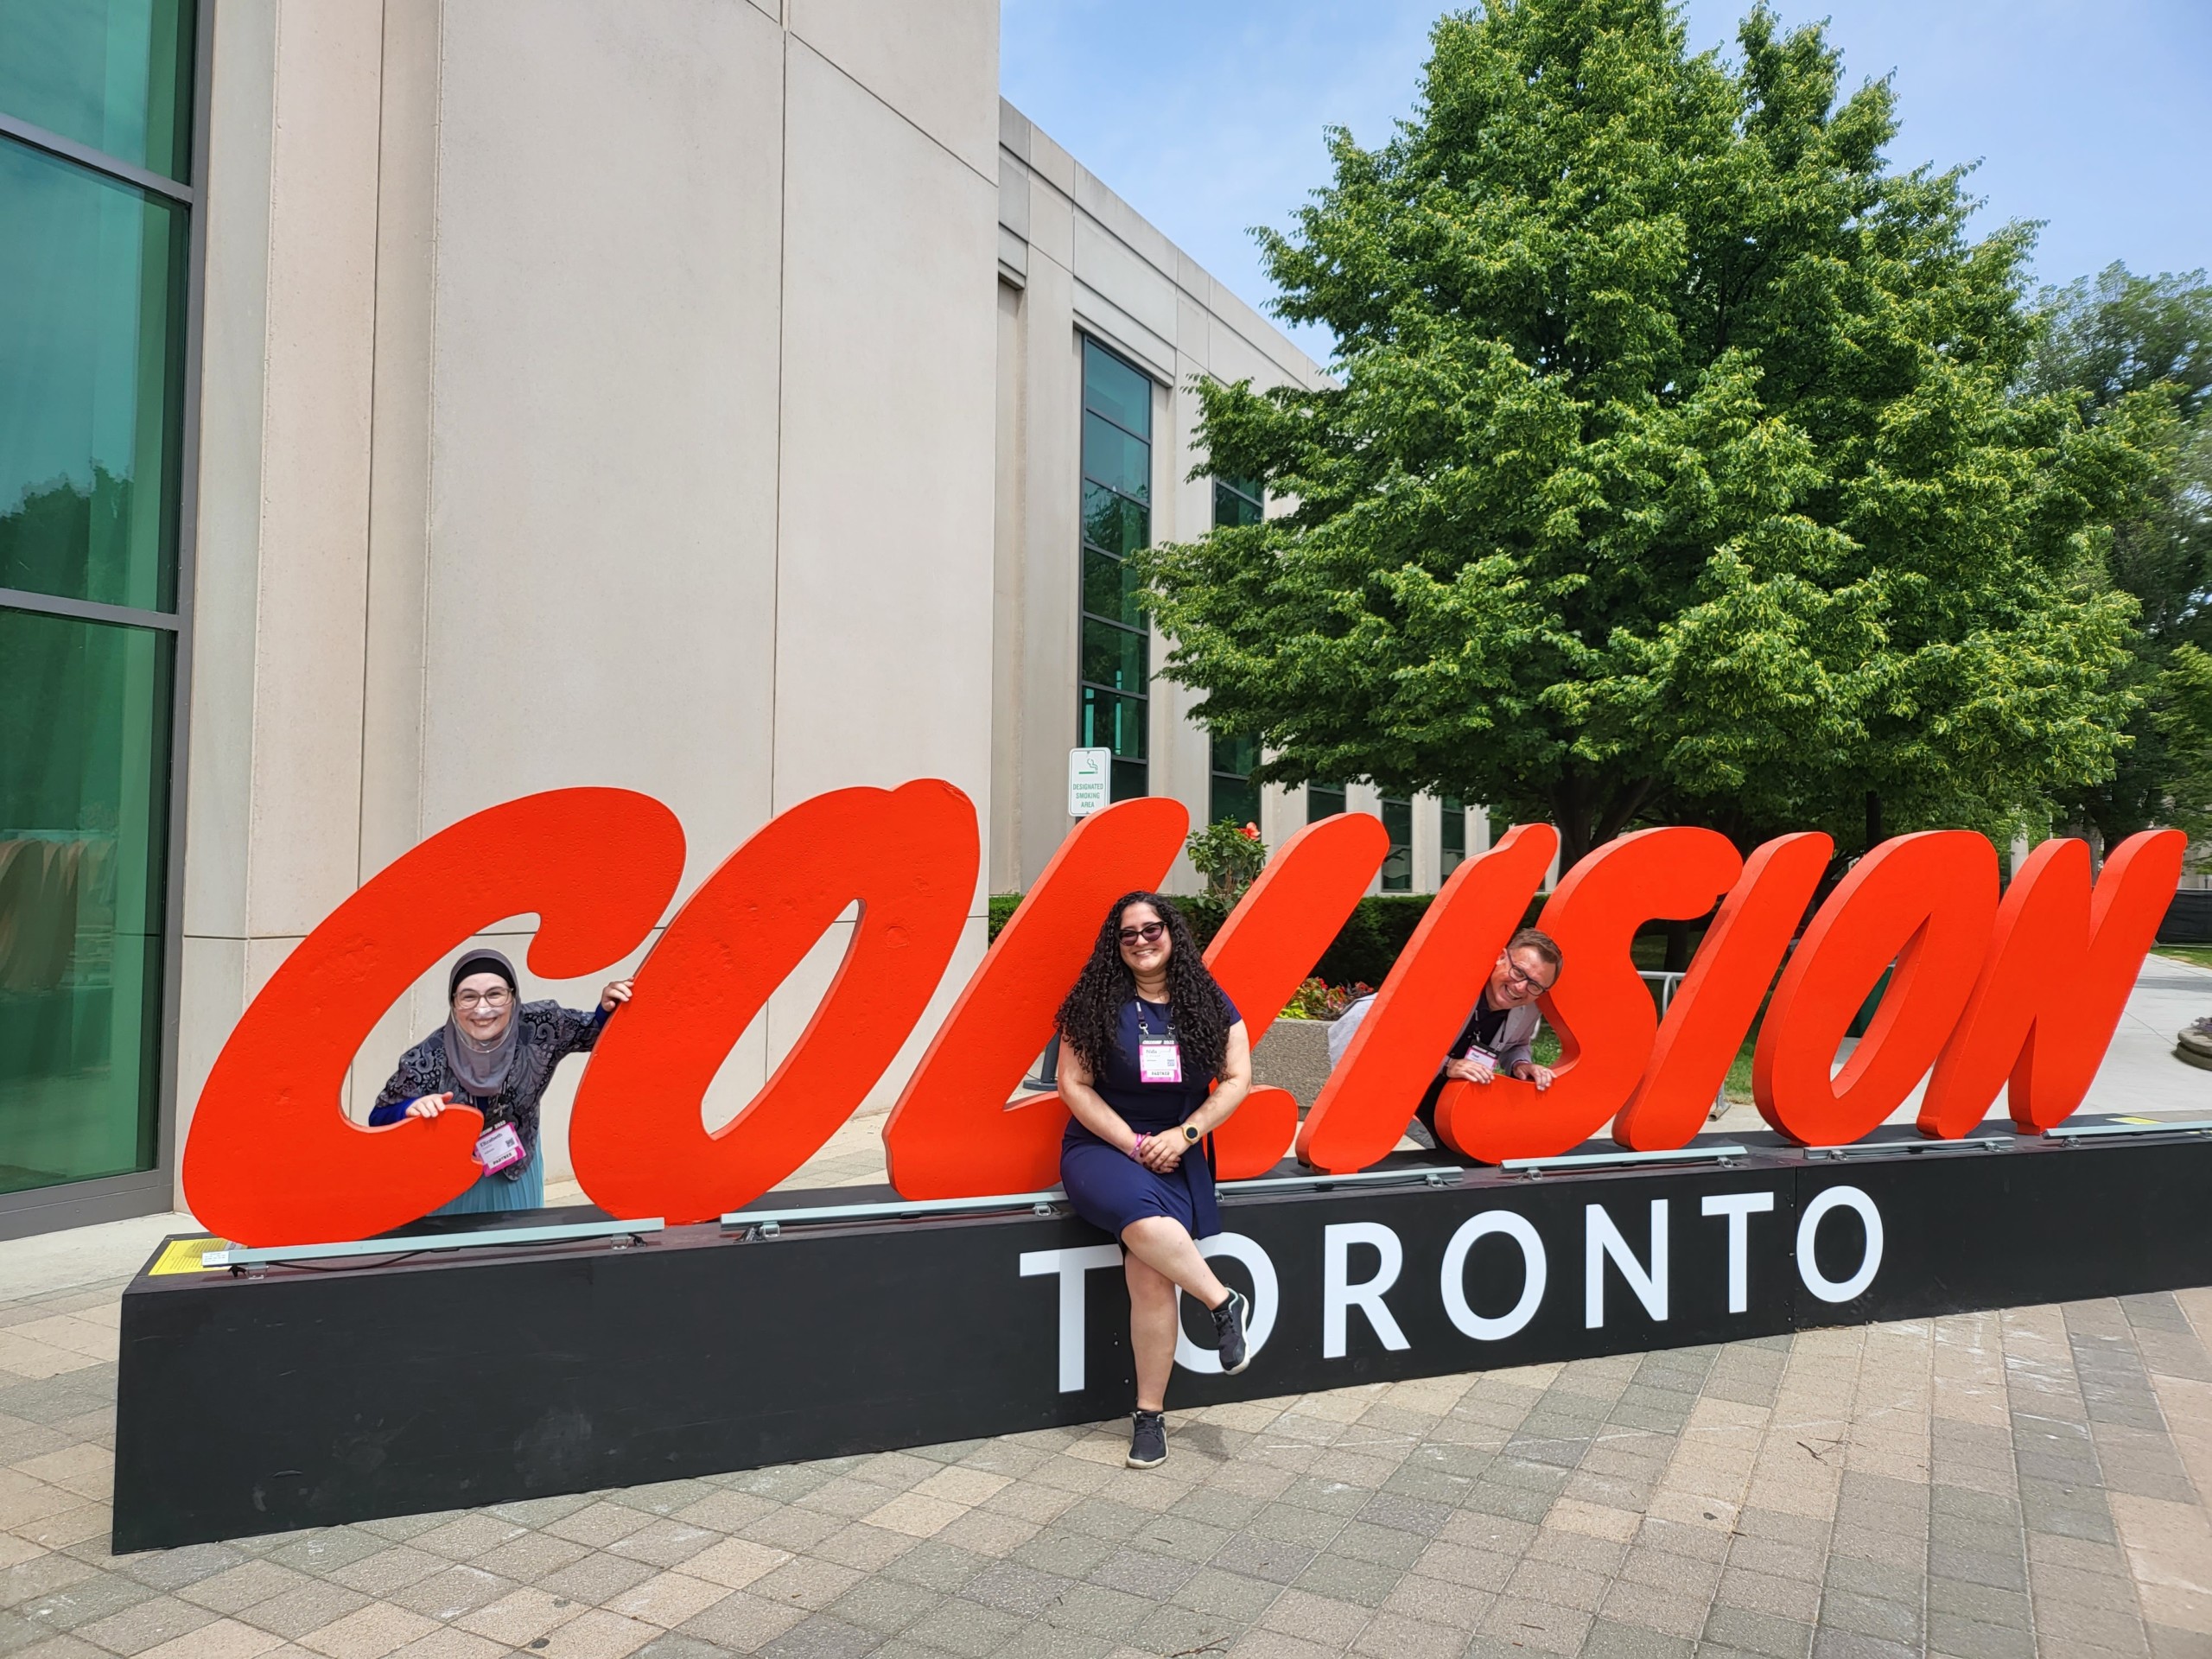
(271, 1159)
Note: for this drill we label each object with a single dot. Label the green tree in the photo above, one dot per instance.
(2139, 350)
(2184, 719)
(1673, 471)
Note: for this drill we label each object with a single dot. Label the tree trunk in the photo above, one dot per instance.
(1873, 820)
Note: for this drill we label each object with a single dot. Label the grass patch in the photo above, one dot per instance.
(2197, 955)
(1545, 1051)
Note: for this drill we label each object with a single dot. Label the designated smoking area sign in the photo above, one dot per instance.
(1090, 781)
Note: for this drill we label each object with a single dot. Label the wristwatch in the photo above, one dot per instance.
(1189, 1134)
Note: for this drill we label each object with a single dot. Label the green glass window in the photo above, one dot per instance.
(1115, 638)
(1231, 794)
(1238, 501)
(92, 376)
(93, 326)
(1119, 390)
(1324, 801)
(113, 74)
(84, 803)
(1113, 657)
(1454, 845)
(1398, 863)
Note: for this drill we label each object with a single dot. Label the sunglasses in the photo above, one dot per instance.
(1147, 933)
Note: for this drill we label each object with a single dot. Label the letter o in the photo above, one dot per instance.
(1266, 1300)
(1808, 1227)
(1534, 1271)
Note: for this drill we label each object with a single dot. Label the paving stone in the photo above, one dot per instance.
(1967, 1638)
(823, 1638)
(1750, 1632)
(1608, 1640)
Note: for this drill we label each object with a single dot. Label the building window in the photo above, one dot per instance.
(1116, 668)
(1238, 501)
(1231, 794)
(1453, 849)
(1398, 863)
(91, 420)
(1324, 801)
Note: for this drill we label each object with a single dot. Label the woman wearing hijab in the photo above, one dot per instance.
(1153, 1058)
(496, 1057)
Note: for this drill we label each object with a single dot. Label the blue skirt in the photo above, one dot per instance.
(1109, 1189)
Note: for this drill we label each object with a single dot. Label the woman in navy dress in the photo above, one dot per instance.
(1152, 1059)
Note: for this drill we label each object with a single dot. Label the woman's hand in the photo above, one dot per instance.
(1464, 1070)
(616, 994)
(1161, 1153)
(428, 1105)
(1529, 1071)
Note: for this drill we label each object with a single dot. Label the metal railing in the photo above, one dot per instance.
(621, 1232)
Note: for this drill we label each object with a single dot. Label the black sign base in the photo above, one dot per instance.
(252, 1404)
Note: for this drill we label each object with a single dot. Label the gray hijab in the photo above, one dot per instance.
(482, 1068)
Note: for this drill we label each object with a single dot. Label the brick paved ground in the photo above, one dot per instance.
(1990, 1485)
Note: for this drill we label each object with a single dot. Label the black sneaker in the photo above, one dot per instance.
(1228, 1334)
(1148, 1440)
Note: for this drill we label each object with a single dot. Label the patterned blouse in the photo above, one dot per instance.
(549, 1033)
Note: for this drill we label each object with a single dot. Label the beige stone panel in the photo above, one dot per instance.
(212, 992)
(1008, 585)
(1050, 232)
(1122, 330)
(1231, 357)
(884, 579)
(1013, 195)
(1143, 238)
(391, 714)
(233, 340)
(314, 530)
(934, 61)
(603, 424)
(1429, 844)
(1115, 271)
(1050, 550)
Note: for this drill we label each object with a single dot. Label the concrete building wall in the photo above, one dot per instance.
(1076, 260)
(591, 395)
(684, 397)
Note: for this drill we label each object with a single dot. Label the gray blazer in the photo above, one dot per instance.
(1513, 1042)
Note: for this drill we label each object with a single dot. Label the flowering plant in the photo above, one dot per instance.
(1230, 856)
(1316, 998)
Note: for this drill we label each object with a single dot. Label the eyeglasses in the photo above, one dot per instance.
(1147, 931)
(492, 999)
(1524, 982)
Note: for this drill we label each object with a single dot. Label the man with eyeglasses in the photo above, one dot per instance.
(1500, 1032)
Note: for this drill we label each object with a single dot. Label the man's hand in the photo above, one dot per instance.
(1528, 1071)
(616, 994)
(1468, 1070)
(428, 1105)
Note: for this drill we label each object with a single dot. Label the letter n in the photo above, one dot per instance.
(2061, 961)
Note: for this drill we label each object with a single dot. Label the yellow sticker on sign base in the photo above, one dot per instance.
(183, 1255)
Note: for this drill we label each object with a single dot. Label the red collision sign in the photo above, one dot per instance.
(2024, 992)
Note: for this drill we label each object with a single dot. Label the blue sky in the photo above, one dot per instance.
(2094, 116)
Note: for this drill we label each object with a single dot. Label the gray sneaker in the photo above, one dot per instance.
(1148, 1440)
(1229, 1333)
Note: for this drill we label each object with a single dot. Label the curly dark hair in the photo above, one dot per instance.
(1089, 1020)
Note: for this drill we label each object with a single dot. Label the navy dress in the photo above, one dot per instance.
(1108, 1187)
